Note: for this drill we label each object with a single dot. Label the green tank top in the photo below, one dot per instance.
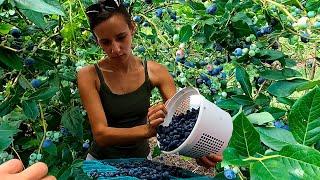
(124, 111)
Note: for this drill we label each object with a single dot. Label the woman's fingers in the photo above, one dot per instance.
(215, 157)
(36, 171)
(155, 123)
(207, 162)
(156, 115)
(152, 110)
(11, 167)
(49, 178)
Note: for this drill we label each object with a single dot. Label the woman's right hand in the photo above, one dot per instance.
(155, 117)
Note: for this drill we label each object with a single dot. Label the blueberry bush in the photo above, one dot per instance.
(256, 59)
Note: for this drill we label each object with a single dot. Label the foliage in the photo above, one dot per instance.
(239, 54)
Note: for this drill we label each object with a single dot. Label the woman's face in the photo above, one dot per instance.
(115, 37)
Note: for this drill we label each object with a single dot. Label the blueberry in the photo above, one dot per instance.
(29, 61)
(212, 9)
(47, 143)
(36, 83)
(137, 19)
(217, 62)
(85, 145)
(229, 174)
(213, 91)
(145, 24)
(305, 37)
(218, 47)
(173, 16)
(268, 30)
(261, 80)
(159, 12)
(148, 1)
(278, 124)
(286, 127)
(238, 52)
(141, 49)
(203, 63)
(15, 32)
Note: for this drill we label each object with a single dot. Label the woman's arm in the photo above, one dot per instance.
(104, 135)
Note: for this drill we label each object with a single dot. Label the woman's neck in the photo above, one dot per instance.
(124, 66)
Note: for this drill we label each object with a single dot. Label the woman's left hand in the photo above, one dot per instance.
(209, 161)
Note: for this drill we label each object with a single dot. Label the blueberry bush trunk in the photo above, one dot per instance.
(258, 60)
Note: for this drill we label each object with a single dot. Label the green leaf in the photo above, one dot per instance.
(156, 152)
(268, 169)
(276, 138)
(196, 6)
(285, 100)
(200, 38)
(308, 85)
(6, 135)
(276, 112)
(10, 59)
(232, 157)
(304, 118)
(5, 28)
(312, 5)
(283, 74)
(185, 33)
(262, 100)
(30, 109)
(38, 6)
(284, 88)
(1, 1)
(260, 118)
(242, 99)
(271, 55)
(241, 29)
(244, 137)
(241, 16)
(243, 78)
(51, 150)
(228, 104)
(8, 105)
(36, 17)
(72, 119)
(44, 93)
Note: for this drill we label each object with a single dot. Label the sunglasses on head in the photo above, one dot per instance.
(104, 6)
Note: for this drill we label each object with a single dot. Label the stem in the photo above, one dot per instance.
(282, 7)
(44, 127)
(9, 48)
(157, 30)
(14, 150)
(261, 159)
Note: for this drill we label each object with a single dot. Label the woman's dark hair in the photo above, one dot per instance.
(104, 9)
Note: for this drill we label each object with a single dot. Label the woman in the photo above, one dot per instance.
(116, 91)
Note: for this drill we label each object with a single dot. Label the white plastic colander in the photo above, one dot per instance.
(212, 131)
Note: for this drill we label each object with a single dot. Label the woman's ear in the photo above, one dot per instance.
(133, 28)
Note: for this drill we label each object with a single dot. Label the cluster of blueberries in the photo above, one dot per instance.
(177, 132)
(145, 169)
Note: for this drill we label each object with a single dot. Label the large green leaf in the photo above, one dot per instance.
(8, 105)
(244, 137)
(5, 28)
(10, 59)
(30, 109)
(283, 74)
(36, 17)
(196, 6)
(185, 33)
(271, 55)
(1, 1)
(72, 119)
(228, 104)
(276, 112)
(284, 88)
(308, 85)
(44, 93)
(304, 118)
(39, 6)
(260, 118)
(243, 78)
(232, 157)
(276, 138)
(293, 162)
(6, 135)
(242, 99)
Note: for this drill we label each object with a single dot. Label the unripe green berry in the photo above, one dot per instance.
(252, 53)
(33, 156)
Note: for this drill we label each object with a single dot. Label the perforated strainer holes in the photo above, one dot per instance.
(183, 107)
(206, 144)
